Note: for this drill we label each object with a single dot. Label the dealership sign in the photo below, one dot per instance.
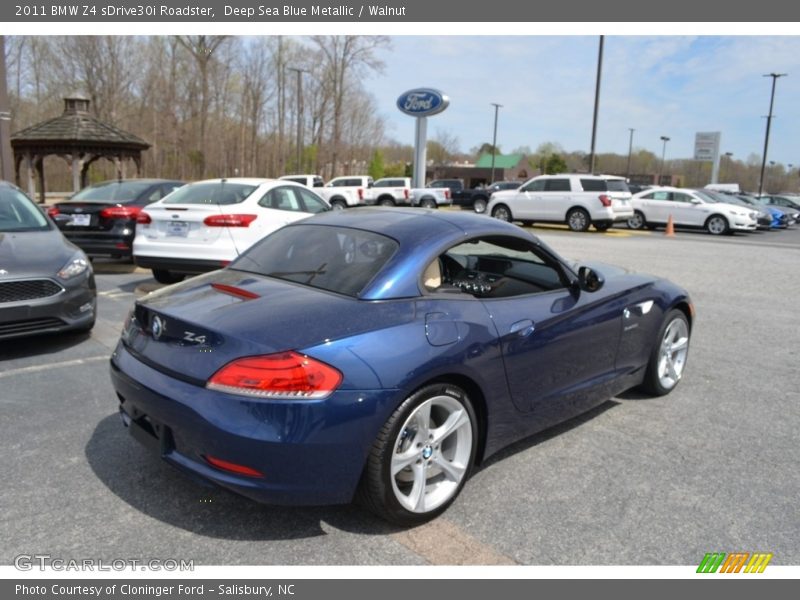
(706, 146)
(422, 102)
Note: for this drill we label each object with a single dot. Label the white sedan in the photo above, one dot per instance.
(205, 225)
(689, 208)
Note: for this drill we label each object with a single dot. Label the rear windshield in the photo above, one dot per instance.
(337, 259)
(617, 185)
(114, 191)
(18, 213)
(211, 193)
(595, 185)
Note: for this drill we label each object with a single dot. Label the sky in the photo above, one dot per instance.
(663, 85)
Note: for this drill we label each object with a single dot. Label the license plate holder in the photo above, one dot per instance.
(80, 220)
(177, 228)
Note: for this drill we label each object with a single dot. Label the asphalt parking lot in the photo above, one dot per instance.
(711, 467)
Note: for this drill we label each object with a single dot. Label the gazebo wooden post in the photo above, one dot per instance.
(76, 172)
(40, 170)
(29, 167)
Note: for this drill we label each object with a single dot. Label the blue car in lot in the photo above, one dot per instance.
(382, 355)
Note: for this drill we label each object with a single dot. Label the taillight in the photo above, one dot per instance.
(143, 218)
(285, 375)
(53, 211)
(226, 465)
(360, 193)
(447, 193)
(605, 200)
(405, 193)
(121, 212)
(229, 220)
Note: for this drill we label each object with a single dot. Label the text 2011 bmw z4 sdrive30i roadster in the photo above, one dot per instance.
(381, 354)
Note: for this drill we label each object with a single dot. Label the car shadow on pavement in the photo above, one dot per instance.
(40, 345)
(546, 435)
(112, 266)
(154, 488)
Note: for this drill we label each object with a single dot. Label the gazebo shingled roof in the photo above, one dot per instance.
(78, 137)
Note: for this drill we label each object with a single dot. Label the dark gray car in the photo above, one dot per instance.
(46, 283)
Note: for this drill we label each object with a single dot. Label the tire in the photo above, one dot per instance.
(386, 202)
(338, 204)
(479, 205)
(637, 221)
(164, 276)
(717, 225)
(578, 219)
(502, 212)
(430, 465)
(669, 354)
(428, 203)
(602, 227)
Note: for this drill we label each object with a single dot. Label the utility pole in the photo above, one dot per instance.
(6, 162)
(596, 103)
(494, 137)
(664, 139)
(299, 141)
(630, 152)
(766, 135)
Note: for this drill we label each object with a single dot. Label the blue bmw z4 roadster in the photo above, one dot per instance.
(379, 354)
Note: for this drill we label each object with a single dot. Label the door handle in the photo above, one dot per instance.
(522, 328)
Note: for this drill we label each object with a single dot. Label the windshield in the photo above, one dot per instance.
(18, 213)
(617, 185)
(706, 197)
(337, 259)
(112, 191)
(218, 192)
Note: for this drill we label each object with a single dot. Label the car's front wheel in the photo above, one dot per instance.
(386, 202)
(717, 225)
(668, 358)
(637, 221)
(502, 212)
(479, 206)
(422, 456)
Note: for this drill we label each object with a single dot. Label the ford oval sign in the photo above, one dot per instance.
(422, 102)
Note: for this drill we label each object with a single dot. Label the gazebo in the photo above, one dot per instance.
(78, 138)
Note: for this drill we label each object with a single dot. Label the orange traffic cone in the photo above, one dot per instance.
(670, 232)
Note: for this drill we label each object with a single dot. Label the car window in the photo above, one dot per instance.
(169, 188)
(18, 213)
(617, 185)
(211, 193)
(281, 198)
(536, 185)
(658, 196)
(311, 202)
(113, 191)
(337, 259)
(594, 185)
(557, 185)
(156, 194)
(497, 267)
(318, 182)
(681, 197)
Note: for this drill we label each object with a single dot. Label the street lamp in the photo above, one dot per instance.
(728, 156)
(766, 135)
(494, 137)
(299, 141)
(596, 103)
(630, 152)
(664, 139)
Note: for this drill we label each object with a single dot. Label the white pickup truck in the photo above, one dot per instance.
(397, 191)
(346, 191)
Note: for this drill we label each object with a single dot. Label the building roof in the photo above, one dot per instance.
(76, 127)
(501, 161)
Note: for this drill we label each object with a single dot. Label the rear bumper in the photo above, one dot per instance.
(74, 308)
(309, 452)
(179, 265)
(112, 244)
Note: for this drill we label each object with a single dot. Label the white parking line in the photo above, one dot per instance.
(59, 365)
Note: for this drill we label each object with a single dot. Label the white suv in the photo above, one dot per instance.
(579, 200)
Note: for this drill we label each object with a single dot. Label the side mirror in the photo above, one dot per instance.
(696, 201)
(589, 279)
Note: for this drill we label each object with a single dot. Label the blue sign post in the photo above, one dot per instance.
(421, 103)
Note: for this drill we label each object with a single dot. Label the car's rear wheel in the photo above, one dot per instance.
(637, 221)
(502, 212)
(386, 202)
(338, 204)
(428, 203)
(422, 456)
(479, 206)
(717, 225)
(578, 219)
(668, 358)
(164, 276)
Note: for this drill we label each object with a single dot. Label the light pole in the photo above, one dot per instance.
(596, 102)
(630, 152)
(6, 160)
(664, 139)
(766, 135)
(728, 161)
(299, 116)
(494, 137)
